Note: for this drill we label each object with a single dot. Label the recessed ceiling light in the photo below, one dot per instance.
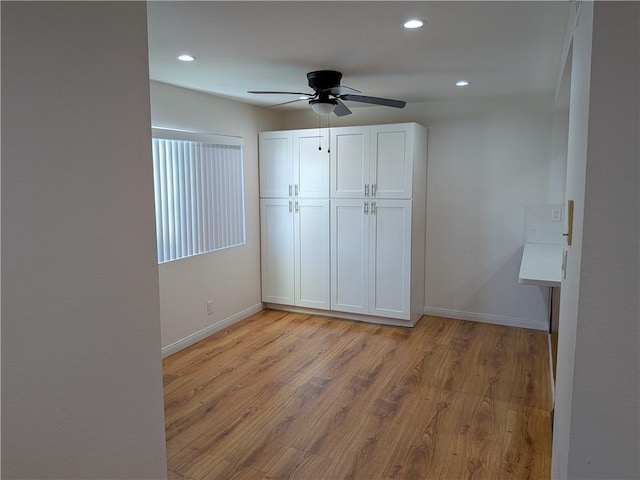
(413, 23)
(462, 83)
(186, 58)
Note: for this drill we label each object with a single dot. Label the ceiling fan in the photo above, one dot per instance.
(328, 94)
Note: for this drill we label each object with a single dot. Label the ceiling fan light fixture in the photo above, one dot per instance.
(323, 107)
(413, 23)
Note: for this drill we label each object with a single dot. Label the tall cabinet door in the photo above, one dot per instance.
(350, 255)
(390, 259)
(392, 161)
(311, 164)
(276, 164)
(277, 256)
(312, 253)
(349, 161)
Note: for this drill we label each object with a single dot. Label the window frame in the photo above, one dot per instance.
(166, 238)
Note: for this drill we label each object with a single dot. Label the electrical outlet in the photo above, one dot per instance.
(210, 307)
(556, 214)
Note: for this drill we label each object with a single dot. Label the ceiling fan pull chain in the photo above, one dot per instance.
(319, 132)
(329, 135)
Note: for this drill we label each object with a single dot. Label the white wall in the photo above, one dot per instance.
(81, 365)
(487, 160)
(596, 433)
(231, 277)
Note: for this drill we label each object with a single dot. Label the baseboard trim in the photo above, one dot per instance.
(485, 318)
(345, 315)
(210, 330)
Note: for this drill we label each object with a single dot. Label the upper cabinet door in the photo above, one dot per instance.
(276, 164)
(311, 164)
(349, 162)
(391, 161)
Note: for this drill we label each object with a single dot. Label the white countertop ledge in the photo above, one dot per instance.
(541, 264)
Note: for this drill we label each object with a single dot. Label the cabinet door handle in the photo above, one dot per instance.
(290, 206)
(290, 187)
(373, 208)
(297, 208)
(366, 189)
(366, 208)
(296, 189)
(373, 189)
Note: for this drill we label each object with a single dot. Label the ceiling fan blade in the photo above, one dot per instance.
(285, 103)
(387, 102)
(266, 92)
(341, 109)
(340, 90)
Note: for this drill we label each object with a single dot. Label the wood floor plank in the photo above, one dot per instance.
(525, 447)
(297, 464)
(272, 435)
(176, 476)
(212, 441)
(286, 395)
(349, 399)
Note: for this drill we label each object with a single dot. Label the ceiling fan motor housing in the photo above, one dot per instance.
(323, 79)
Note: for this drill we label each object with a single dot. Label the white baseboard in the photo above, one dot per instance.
(348, 316)
(210, 330)
(485, 318)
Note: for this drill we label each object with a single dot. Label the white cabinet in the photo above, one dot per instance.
(343, 220)
(349, 162)
(294, 163)
(391, 166)
(311, 243)
(276, 164)
(295, 252)
(390, 258)
(311, 164)
(350, 255)
(371, 257)
(373, 162)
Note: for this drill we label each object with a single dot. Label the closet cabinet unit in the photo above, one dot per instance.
(294, 163)
(349, 235)
(295, 252)
(371, 257)
(374, 162)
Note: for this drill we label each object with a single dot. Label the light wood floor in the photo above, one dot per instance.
(284, 395)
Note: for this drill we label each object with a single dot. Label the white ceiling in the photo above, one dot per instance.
(502, 48)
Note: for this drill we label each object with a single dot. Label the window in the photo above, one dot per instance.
(199, 193)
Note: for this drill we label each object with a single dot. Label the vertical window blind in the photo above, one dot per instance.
(199, 193)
